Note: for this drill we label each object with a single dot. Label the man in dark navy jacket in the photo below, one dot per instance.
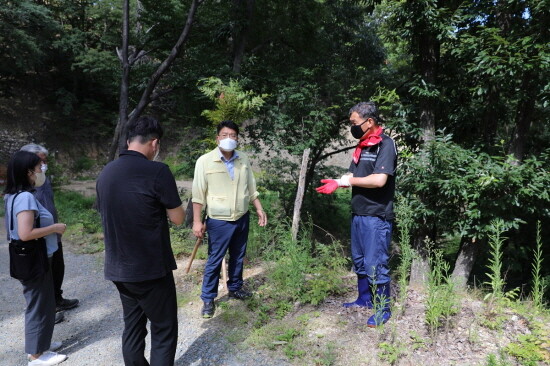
(136, 196)
(372, 178)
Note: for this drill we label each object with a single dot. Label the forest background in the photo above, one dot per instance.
(463, 87)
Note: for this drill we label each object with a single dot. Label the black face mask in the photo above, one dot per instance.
(356, 131)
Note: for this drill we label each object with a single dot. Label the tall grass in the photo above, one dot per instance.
(538, 284)
(405, 222)
(261, 239)
(442, 301)
(496, 240)
(304, 270)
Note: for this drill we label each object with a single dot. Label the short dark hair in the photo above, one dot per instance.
(366, 110)
(18, 171)
(144, 128)
(229, 124)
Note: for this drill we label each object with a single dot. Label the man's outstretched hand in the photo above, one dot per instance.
(330, 185)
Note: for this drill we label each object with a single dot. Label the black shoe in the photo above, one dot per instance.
(59, 317)
(240, 294)
(208, 309)
(65, 304)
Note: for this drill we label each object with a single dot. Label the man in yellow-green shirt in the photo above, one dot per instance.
(225, 184)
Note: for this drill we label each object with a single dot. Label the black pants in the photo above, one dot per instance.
(39, 314)
(154, 300)
(58, 271)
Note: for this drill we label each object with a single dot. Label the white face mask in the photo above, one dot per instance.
(44, 167)
(39, 179)
(228, 144)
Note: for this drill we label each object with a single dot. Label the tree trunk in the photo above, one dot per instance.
(119, 140)
(465, 261)
(300, 195)
(241, 30)
(490, 116)
(419, 266)
(428, 65)
(124, 82)
(524, 112)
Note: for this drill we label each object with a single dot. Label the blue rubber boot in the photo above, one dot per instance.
(382, 311)
(364, 298)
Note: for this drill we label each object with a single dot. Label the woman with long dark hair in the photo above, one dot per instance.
(22, 209)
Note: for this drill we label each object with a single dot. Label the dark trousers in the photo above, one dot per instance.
(58, 271)
(154, 300)
(39, 314)
(224, 236)
(370, 245)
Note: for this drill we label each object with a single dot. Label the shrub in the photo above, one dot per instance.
(82, 219)
(304, 270)
(83, 163)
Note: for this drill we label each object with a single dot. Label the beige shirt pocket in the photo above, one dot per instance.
(218, 206)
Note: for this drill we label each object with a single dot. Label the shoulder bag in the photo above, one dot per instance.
(28, 259)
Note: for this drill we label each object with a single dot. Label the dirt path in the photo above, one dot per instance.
(91, 332)
(87, 187)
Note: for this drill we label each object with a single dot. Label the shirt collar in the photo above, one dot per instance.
(133, 153)
(222, 158)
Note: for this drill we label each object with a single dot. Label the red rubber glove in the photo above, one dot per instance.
(330, 186)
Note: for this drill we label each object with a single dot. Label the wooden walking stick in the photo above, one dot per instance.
(224, 272)
(197, 242)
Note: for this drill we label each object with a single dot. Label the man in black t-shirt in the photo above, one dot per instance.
(372, 178)
(135, 197)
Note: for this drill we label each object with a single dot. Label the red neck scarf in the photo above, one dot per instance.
(370, 139)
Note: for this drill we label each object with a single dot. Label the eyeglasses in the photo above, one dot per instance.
(230, 135)
(355, 123)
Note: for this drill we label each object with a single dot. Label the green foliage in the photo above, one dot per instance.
(501, 361)
(390, 352)
(327, 356)
(417, 341)
(477, 66)
(296, 118)
(449, 185)
(526, 350)
(182, 240)
(73, 208)
(303, 270)
(404, 213)
(83, 221)
(26, 33)
(498, 298)
(532, 347)
(260, 239)
(232, 102)
(496, 281)
(442, 301)
(538, 284)
(457, 192)
(496, 240)
(200, 141)
(83, 163)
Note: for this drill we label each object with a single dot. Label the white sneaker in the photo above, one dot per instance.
(54, 346)
(48, 358)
